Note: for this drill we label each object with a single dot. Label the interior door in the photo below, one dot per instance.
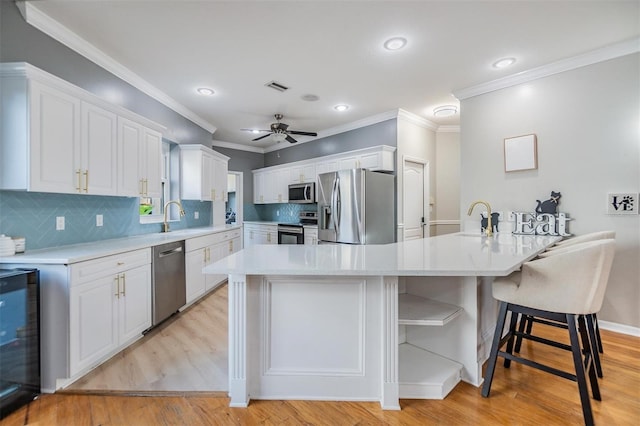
(415, 212)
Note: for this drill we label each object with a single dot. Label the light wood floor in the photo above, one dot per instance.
(519, 395)
(188, 352)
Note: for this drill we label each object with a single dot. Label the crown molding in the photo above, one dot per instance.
(416, 119)
(64, 35)
(237, 146)
(606, 53)
(448, 129)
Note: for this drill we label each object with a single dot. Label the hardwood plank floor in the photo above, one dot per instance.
(519, 395)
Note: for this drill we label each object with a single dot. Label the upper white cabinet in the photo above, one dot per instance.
(271, 186)
(303, 173)
(59, 138)
(203, 174)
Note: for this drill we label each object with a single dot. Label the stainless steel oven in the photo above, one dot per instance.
(290, 234)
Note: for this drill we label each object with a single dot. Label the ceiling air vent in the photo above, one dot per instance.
(277, 86)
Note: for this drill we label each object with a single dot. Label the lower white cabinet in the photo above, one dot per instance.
(202, 251)
(255, 233)
(109, 306)
(310, 235)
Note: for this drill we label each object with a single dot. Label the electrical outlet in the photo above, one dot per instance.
(99, 221)
(277, 212)
(196, 215)
(60, 223)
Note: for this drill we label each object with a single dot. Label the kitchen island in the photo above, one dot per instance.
(365, 323)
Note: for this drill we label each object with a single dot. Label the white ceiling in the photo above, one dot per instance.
(333, 50)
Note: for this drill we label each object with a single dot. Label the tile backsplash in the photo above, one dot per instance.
(33, 215)
(281, 212)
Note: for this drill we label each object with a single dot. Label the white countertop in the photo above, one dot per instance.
(87, 251)
(459, 254)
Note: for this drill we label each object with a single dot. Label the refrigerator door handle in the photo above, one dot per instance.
(335, 205)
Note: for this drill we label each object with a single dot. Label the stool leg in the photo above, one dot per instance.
(595, 321)
(495, 346)
(591, 331)
(576, 350)
(524, 319)
(510, 341)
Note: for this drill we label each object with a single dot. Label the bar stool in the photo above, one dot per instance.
(563, 288)
(526, 321)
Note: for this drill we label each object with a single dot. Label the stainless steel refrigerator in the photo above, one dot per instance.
(356, 206)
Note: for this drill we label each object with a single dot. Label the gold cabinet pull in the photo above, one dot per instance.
(117, 280)
(124, 285)
(146, 187)
(79, 187)
(205, 254)
(231, 246)
(141, 187)
(86, 180)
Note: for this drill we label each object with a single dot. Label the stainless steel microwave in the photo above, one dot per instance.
(302, 193)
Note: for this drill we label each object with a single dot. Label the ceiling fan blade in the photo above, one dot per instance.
(261, 137)
(296, 132)
(290, 139)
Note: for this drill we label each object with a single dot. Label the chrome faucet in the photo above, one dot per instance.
(489, 229)
(165, 224)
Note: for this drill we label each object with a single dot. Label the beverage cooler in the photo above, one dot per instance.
(19, 338)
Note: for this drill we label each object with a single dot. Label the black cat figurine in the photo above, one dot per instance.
(485, 222)
(549, 206)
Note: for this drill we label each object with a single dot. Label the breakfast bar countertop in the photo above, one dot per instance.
(460, 254)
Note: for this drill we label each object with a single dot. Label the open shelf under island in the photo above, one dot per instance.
(365, 323)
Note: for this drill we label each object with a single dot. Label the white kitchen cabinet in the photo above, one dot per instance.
(380, 160)
(139, 160)
(203, 174)
(310, 235)
(202, 251)
(303, 173)
(109, 306)
(271, 186)
(59, 138)
(255, 233)
(327, 166)
(97, 172)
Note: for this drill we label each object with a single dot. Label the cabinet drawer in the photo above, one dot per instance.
(208, 240)
(92, 269)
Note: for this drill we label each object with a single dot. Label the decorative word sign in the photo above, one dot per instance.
(540, 223)
(623, 204)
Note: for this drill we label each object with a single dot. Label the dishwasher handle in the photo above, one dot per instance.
(170, 252)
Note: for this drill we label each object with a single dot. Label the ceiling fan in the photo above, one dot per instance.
(280, 131)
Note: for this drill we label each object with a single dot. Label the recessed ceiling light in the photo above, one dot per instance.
(205, 91)
(445, 111)
(395, 43)
(310, 98)
(341, 107)
(504, 62)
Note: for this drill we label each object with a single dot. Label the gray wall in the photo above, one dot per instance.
(20, 42)
(586, 122)
(384, 133)
(243, 161)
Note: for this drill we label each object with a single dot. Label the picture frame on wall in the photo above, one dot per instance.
(520, 153)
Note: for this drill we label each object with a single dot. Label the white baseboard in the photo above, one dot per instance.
(619, 328)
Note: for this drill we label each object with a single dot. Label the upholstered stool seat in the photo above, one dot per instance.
(564, 288)
(593, 236)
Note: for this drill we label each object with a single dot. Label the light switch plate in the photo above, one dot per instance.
(60, 223)
(623, 203)
(99, 220)
(196, 215)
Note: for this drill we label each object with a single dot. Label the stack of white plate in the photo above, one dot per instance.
(7, 246)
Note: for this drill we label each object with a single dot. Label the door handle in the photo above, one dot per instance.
(170, 252)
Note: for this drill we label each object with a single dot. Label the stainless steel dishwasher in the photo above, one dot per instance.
(169, 291)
